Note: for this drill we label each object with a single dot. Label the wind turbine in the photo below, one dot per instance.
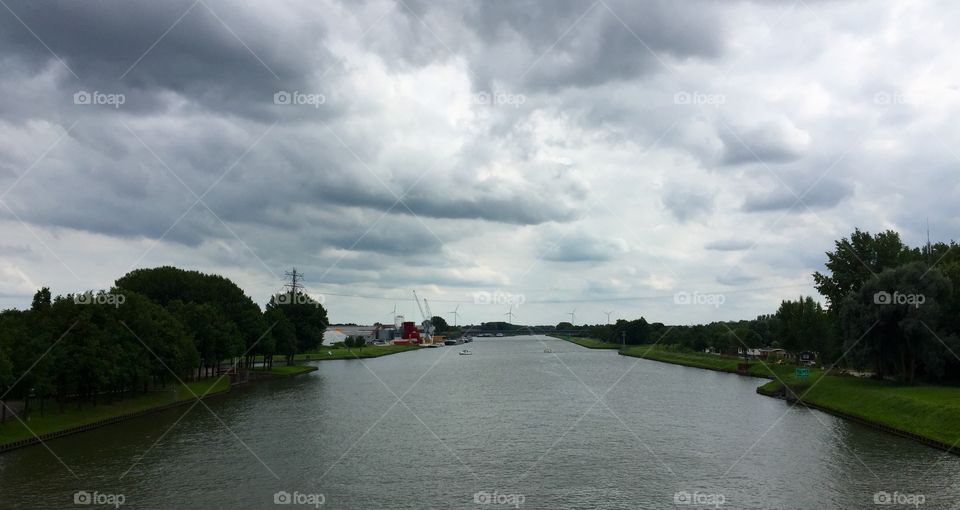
(510, 315)
(573, 317)
(455, 315)
(608, 317)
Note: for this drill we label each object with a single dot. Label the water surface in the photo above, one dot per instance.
(575, 428)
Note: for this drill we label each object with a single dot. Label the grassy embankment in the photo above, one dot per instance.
(929, 411)
(590, 343)
(286, 370)
(325, 353)
(926, 410)
(54, 420)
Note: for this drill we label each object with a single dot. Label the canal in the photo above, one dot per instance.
(508, 426)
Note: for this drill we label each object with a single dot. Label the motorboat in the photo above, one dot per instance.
(465, 352)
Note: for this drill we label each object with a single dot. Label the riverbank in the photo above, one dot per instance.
(282, 371)
(55, 423)
(926, 413)
(345, 353)
(589, 343)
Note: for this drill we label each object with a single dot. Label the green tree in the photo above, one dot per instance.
(856, 260)
(894, 323)
(166, 284)
(440, 326)
(307, 317)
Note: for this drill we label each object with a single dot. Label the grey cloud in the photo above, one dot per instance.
(564, 43)
(728, 245)
(578, 247)
(767, 143)
(221, 55)
(687, 204)
(735, 277)
(825, 194)
(13, 250)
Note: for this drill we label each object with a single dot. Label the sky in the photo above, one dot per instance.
(682, 161)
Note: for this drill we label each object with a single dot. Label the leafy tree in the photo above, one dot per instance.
(858, 259)
(166, 284)
(805, 325)
(439, 324)
(307, 317)
(894, 323)
(283, 332)
(41, 299)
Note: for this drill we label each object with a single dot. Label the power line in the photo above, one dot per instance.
(293, 285)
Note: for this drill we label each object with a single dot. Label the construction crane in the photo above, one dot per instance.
(427, 322)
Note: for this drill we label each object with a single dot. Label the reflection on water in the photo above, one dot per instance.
(510, 425)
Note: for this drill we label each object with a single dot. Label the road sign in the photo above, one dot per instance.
(802, 373)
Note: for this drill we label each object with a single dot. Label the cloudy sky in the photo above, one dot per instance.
(556, 155)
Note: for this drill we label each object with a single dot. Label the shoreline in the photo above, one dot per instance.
(934, 443)
(55, 434)
(781, 389)
(255, 376)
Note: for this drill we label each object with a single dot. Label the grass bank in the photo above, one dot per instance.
(325, 353)
(71, 417)
(928, 413)
(286, 370)
(668, 354)
(590, 343)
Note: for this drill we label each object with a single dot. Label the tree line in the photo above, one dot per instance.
(891, 310)
(153, 327)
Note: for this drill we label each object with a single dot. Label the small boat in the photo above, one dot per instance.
(465, 352)
(432, 346)
(548, 350)
(467, 339)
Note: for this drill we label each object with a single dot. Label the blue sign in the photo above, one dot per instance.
(802, 373)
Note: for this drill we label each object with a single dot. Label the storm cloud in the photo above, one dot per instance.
(548, 149)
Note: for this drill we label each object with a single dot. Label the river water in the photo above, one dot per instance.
(509, 426)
